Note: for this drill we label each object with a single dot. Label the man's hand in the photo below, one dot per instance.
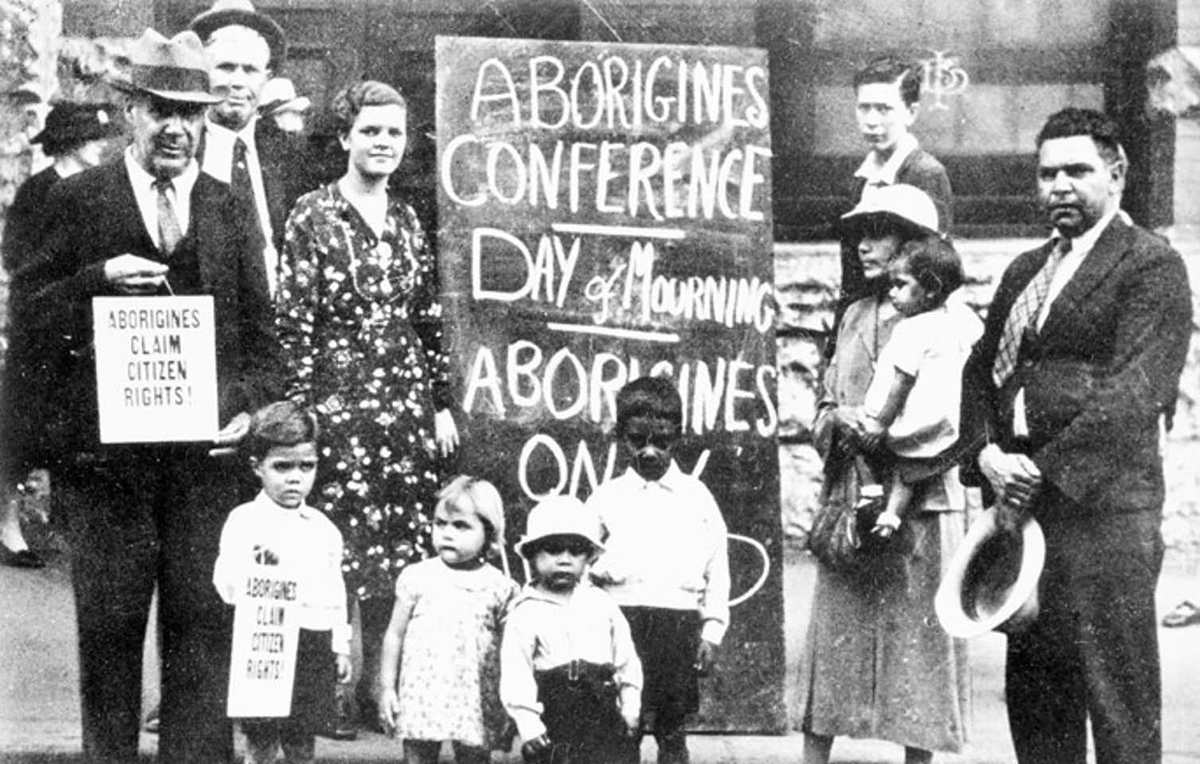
(232, 433)
(135, 275)
(1014, 478)
(706, 657)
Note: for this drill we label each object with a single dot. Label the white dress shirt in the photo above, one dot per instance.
(146, 194)
(667, 546)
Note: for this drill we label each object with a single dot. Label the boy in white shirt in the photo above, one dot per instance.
(666, 561)
(279, 528)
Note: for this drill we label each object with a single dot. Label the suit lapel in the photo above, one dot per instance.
(1109, 249)
(135, 225)
(202, 205)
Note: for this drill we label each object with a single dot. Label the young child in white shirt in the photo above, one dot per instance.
(569, 674)
(912, 404)
(278, 528)
(666, 561)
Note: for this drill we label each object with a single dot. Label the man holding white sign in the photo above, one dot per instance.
(145, 513)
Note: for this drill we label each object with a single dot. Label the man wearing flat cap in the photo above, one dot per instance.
(146, 514)
(259, 161)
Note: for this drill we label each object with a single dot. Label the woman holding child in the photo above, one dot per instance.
(359, 318)
(880, 666)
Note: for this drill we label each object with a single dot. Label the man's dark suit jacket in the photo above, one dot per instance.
(98, 219)
(287, 173)
(1104, 366)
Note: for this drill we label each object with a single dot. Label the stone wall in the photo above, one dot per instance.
(807, 277)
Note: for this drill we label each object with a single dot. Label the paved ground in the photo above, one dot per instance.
(39, 713)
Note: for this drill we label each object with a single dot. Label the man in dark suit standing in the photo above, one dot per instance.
(1068, 393)
(262, 164)
(147, 514)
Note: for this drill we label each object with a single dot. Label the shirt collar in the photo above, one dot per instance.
(182, 183)
(1083, 243)
(873, 170)
(227, 136)
(304, 511)
(669, 480)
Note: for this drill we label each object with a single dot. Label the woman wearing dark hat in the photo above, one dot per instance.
(76, 136)
(880, 665)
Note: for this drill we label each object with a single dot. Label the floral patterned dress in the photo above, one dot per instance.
(449, 681)
(360, 324)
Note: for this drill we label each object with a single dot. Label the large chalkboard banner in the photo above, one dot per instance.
(605, 213)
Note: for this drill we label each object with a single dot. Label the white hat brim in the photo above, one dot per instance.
(948, 603)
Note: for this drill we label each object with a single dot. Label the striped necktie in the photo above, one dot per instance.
(1024, 313)
(169, 232)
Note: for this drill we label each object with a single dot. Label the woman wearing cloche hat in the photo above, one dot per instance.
(881, 665)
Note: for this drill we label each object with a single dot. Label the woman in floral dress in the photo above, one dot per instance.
(360, 322)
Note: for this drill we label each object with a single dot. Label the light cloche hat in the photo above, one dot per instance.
(899, 203)
(561, 516)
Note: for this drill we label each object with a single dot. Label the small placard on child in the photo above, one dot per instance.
(262, 663)
(156, 368)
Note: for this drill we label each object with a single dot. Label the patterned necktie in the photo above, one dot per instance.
(239, 178)
(169, 232)
(1024, 313)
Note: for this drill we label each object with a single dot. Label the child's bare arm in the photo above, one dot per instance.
(899, 498)
(389, 664)
(875, 423)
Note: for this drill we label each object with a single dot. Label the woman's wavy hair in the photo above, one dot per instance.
(351, 100)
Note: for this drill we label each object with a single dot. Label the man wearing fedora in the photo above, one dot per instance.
(1067, 394)
(260, 162)
(143, 515)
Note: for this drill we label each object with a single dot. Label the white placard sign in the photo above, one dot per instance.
(262, 662)
(156, 368)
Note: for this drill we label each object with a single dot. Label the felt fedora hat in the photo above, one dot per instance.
(228, 13)
(561, 516)
(175, 69)
(900, 204)
(72, 124)
(992, 580)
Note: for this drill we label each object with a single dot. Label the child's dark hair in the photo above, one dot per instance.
(934, 264)
(649, 397)
(280, 424)
(888, 69)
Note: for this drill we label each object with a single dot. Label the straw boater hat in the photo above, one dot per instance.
(279, 94)
(991, 582)
(901, 204)
(561, 516)
(175, 69)
(228, 13)
(72, 124)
